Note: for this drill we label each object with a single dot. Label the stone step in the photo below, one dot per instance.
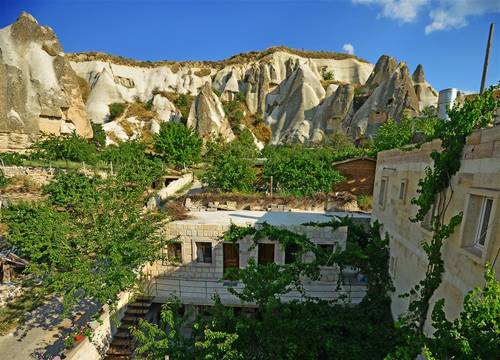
(137, 311)
(118, 350)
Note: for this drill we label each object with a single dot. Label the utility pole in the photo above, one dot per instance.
(487, 58)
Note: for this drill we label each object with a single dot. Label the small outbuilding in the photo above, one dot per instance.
(359, 175)
(10, 263)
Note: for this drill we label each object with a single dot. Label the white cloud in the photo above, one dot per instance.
(443, 14)
(402, 10)
(453, 14)
(348, 48)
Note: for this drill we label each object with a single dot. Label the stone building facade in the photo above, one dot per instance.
(193, 269)
(475, 242)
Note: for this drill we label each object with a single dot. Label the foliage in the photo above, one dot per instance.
(234, 114)
(116, 110)
(99, 137)
(3, 179)
(89, 238)
(339, 141)
(11, 158)
(231, 165)
(178, 144)
(70, 147)
(475, 334)
(394, 134)
(328, 75)
(300, 171)
(365, 202)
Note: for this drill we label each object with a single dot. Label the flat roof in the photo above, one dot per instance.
(248, 217)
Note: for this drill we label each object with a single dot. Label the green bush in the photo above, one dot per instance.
(328, 75)
(115, 110)
(299, 171)
(3, 179)
(231, 164)
(70, 148)
(99, 137)
(234, 114)
(12, 158)
(392, 134)
(178, 144)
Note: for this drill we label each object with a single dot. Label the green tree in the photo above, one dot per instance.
(299, 171)
(231, 165)
(70, 147)
(99, 137)
(475, 334)
(178, 144)
(89, 238)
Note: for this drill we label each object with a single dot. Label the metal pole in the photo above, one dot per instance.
(487, 57)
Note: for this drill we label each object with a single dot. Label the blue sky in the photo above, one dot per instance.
(447, 36)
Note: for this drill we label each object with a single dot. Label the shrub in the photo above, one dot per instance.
(3, 179)
(12, 158)
(328, 75)
(115, 110)
(99, 137)
(178, 144)
(71, 148)
(234, 114)
(299, 171)
(231, 165)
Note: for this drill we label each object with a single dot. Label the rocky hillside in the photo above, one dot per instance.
(280, 94)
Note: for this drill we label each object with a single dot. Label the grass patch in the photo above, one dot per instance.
(365, 202)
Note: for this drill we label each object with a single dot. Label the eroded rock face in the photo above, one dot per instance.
(207, 115)
(330, 114)
(39, 91)
(292, 106)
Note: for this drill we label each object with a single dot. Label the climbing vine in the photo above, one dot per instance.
(434, 195)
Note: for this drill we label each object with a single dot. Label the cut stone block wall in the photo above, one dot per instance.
(479, 174)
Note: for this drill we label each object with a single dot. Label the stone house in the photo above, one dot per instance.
(475, 242)
(196, 259)
(359, 173)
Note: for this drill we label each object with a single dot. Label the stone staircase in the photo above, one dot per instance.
(123, 344)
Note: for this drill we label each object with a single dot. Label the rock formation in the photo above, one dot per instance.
(207, 115)
(39, 91)
(288, 88)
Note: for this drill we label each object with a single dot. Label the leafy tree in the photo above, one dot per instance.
(99, 137)
(178, 144)
(300, 171)
(475, 334)
(234, 114)
(231, 164)
(70, 147)
(393, 135)
(89, 239)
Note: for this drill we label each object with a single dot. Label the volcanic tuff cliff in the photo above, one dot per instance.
(39, 91)
(302, 96)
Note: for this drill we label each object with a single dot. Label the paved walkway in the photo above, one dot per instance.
(42, 335)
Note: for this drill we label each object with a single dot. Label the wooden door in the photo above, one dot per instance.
(231, 256)
(266, 254)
